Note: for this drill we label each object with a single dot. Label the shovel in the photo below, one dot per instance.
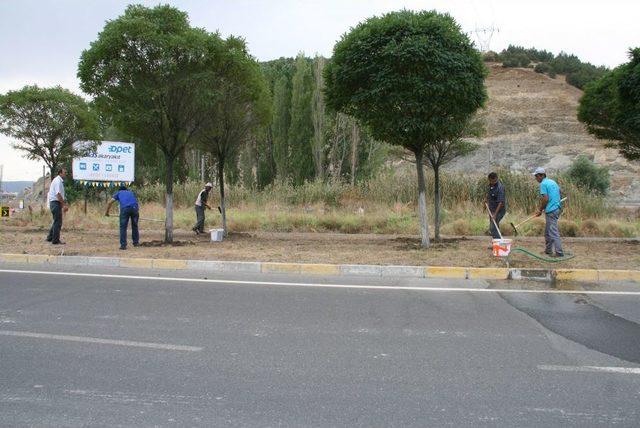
(494, 221)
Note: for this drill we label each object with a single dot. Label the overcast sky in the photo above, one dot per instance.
(41, 40)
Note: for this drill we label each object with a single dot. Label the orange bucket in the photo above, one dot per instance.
(501, 247)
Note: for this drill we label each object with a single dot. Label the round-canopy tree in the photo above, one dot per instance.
(46, 122)
(154, 76)
(413, 78)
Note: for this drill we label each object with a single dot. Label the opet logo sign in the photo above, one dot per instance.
(120, 149)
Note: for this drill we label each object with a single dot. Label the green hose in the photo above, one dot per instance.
(567, 256)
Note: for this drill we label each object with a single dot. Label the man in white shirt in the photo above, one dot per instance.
(57, 204)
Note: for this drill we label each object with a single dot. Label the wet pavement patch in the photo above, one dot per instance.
(575, 318)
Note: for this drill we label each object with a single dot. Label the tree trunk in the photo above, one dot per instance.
(168, 222)
(355, 139)
(221, 184)
(422, 201)
(436, 202)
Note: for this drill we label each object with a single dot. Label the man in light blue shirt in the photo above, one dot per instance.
(551, 205)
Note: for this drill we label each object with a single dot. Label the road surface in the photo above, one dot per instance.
(121, 347)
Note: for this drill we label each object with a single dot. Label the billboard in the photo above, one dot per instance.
(111, 161)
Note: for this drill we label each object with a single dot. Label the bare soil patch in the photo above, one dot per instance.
(321, 248)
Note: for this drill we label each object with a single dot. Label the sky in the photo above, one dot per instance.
(41, 40)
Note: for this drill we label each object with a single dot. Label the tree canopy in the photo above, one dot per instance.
(412, 78)
(46, 122)
(155, 76)
(610, 107)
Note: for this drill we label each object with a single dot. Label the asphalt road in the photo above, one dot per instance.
(118, 347)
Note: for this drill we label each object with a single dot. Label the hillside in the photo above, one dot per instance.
(530, 121)
(16, 186)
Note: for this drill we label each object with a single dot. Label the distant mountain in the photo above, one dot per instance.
(15, 186)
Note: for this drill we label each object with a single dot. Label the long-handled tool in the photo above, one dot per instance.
(493, 220)
(516, 226)
(142, 218)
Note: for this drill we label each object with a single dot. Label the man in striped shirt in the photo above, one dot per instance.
(200, 205)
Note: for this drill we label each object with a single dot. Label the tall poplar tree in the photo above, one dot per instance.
(301, 128)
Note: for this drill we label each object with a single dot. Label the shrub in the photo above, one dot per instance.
(542, 67)
(515, 60)
(461, 227)
(490, 56)
(587, 175)
(590, 228)
(535, 227)
(616, 230)
(585, 75)
(568, 228)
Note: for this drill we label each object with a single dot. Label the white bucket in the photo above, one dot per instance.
(217, 235)
(501, 247)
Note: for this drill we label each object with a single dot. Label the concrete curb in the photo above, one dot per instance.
(454, 272)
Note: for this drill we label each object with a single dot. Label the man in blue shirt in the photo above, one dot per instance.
(128, 210)
(551, 205)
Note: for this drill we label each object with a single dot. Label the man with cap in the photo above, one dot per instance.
(551, 205)
(128, 210)
(201, 203)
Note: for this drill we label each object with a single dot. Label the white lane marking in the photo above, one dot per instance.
(590, 369)
(304, 284)
(151, 345)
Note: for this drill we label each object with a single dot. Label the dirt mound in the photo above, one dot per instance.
(531, 121)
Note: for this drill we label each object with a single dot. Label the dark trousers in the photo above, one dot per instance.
(56, 213)
(492, 228)
(199, 219)
(552, 233)
(126, 214)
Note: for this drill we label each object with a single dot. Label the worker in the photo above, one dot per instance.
(129, 210)
(200, 205)
(551, 205)
(497, 203)
(57, 204)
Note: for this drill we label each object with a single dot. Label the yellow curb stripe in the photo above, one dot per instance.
(15, 258)
(280, 268)
(619, 275)
(488, 273)
(136, 263)
(41, 258)
(169, 264)
(577, 274)
(320, 269)
(445, 272)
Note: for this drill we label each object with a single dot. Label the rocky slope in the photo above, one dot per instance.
(531, 121)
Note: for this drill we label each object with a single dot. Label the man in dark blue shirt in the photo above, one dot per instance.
(497, 202)
(128, 210)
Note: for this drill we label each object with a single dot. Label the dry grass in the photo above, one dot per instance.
(400, 219)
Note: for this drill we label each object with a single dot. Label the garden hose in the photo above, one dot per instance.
(567, 256)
